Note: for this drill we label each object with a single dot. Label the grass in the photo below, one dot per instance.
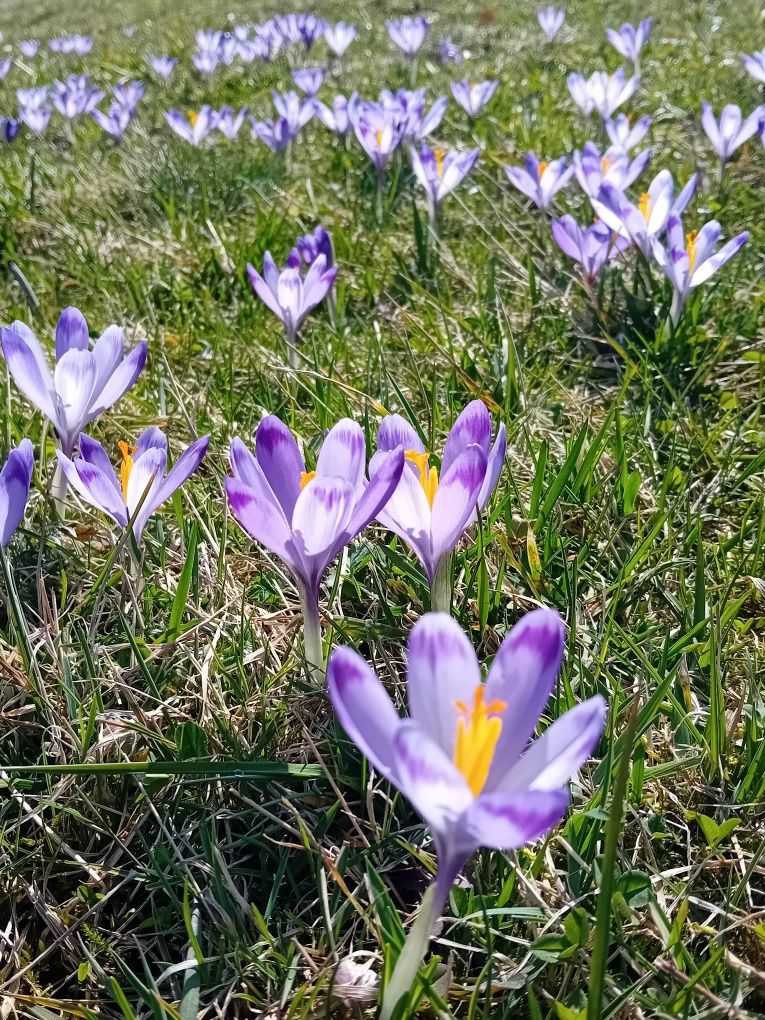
(184, 829)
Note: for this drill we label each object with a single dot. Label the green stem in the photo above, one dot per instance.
(441, 589)
(59, 490)
(312, 644)
(407, 965)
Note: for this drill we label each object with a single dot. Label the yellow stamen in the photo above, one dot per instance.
(645, 205)
(193, 115)
(439, 157)
(305, 478)
(606, 163)
(378, 135)
(478, 730)
(428, 475)
(541, 168)
(127, 464)
(690, 244)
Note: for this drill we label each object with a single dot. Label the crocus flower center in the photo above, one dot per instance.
(378, 136)
(193, 116)
(439, 154)
(645, 205)
(478, 730)
(305, 478)
(606, 163)
(428, 475)
(690, 244)
(541, 168)
(127, 464)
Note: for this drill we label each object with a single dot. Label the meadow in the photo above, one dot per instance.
(187, 825)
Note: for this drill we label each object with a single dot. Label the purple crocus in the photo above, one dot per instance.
(473, 97)
(731, 131)
(591, 247)
(339, 37)
(9, 129)
(338, 118)
(163, 67)
(275, 134)
(428, 512)
(465, 755)
(449, 52)
(86, 380)
(306, 518)
(128, 94)
(79, 44)
(229, 122)
(29, 48)
(407, 107)
(647, 220)
(115, 121)
(629, 40)
(296, 111)
(408, 34)
(689, 260)
(311, 29)
(34, 108)
(309, 80)
(195, 128)
(5, 66)
(755, 64)
(290, 296)
(15, 480)
(602, 92)
(379, 131)
(142, 482)
(593, 168)
(76, 96)
(625, 135)
(551, 21)
(440, 172)
(318, 243)
(540, 180)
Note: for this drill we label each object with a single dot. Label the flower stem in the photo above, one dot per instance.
(59, 490)
(312, 645)
(441, 589)
(379, 195)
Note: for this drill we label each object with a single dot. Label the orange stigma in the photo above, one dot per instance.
(541, 168)
(645, 205)
(428, 475)
(478, 730)
(127, 464)
(438, 155)
(690, 243)
(305, 478)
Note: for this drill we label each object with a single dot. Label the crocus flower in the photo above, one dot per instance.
(309, 80)
(449, 52)
(540, 180)
(163, 67)
(551, 21)
(128, 94)
(15, 480)
(311, 28)
(624, 134)
(473, 97)
(318, 243)
(141, 476)
(9, 129)
(228, 122)
(379, 131)
(755, 64)
(731, 131)
(408, 34)
(196, 128)
(339, 37)
(645, 221)
(5, 66)
(407, 107)
(628, 40)
(296, 111)
(85, 382)
(689, 260)
(440, 172)
(29, 48)
(288, 27)
(288, 295)
(115, 121)
(602, 92)
(591, 247)
(79, 44)
(206, 61)
(465, 755)
(34, 109)
(275, 133)
(306, 517)
(613, 166)
(337, 119)
(76, 96)
(430, 513)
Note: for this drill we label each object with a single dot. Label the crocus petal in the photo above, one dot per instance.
(522, 675)
(322, 512)
(442, 670)
(428, 777)
(107, 351)
(455, 500)
(389, 466)
(363, 707)
(494, 467)
(144, 481)
(15, 480)
(473, 426)
(396, 431)
(122, 379)
(343, 453)
(95, 486)
(714, 262)
(508, 821)
(27, 365)
(264, 292)
(75, 380)
(709, 124)
(91, 452)
(181, 471)
(407, 513)
(262, 519)
(553, 759)
(523, 182)
(281, 461)
(71, 331)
